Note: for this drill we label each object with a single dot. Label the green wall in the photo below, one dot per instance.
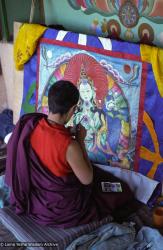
(148, 28)
(60, 12)
(56, 12)
(17, 10)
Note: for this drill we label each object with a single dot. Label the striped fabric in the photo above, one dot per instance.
(25, 230)
(93, 41)
(82, 39)
(7, 236)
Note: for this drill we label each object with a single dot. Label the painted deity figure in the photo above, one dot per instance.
(102, 110)
(92, 118)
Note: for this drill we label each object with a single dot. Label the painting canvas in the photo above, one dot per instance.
(120, 105)
(110, 90)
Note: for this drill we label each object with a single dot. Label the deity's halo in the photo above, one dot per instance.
(92, 69)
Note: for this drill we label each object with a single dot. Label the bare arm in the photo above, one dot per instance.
(78, 160)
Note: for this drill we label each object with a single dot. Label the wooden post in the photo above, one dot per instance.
(42, 11)
(33, 3)
(37, 4)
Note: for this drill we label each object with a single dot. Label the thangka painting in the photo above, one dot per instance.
(131, 20)
(110, 96)
(118, 94)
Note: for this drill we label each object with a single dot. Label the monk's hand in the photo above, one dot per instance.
(72, 131)
(80, 133)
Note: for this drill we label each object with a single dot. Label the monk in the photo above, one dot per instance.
(48, 170)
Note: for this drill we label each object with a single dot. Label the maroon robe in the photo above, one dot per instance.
(51, 200)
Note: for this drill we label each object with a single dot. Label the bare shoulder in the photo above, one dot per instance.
(74, 152)
(77, 162)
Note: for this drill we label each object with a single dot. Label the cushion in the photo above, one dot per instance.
(25, 230)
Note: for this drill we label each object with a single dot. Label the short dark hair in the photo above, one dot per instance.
(62, 96)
